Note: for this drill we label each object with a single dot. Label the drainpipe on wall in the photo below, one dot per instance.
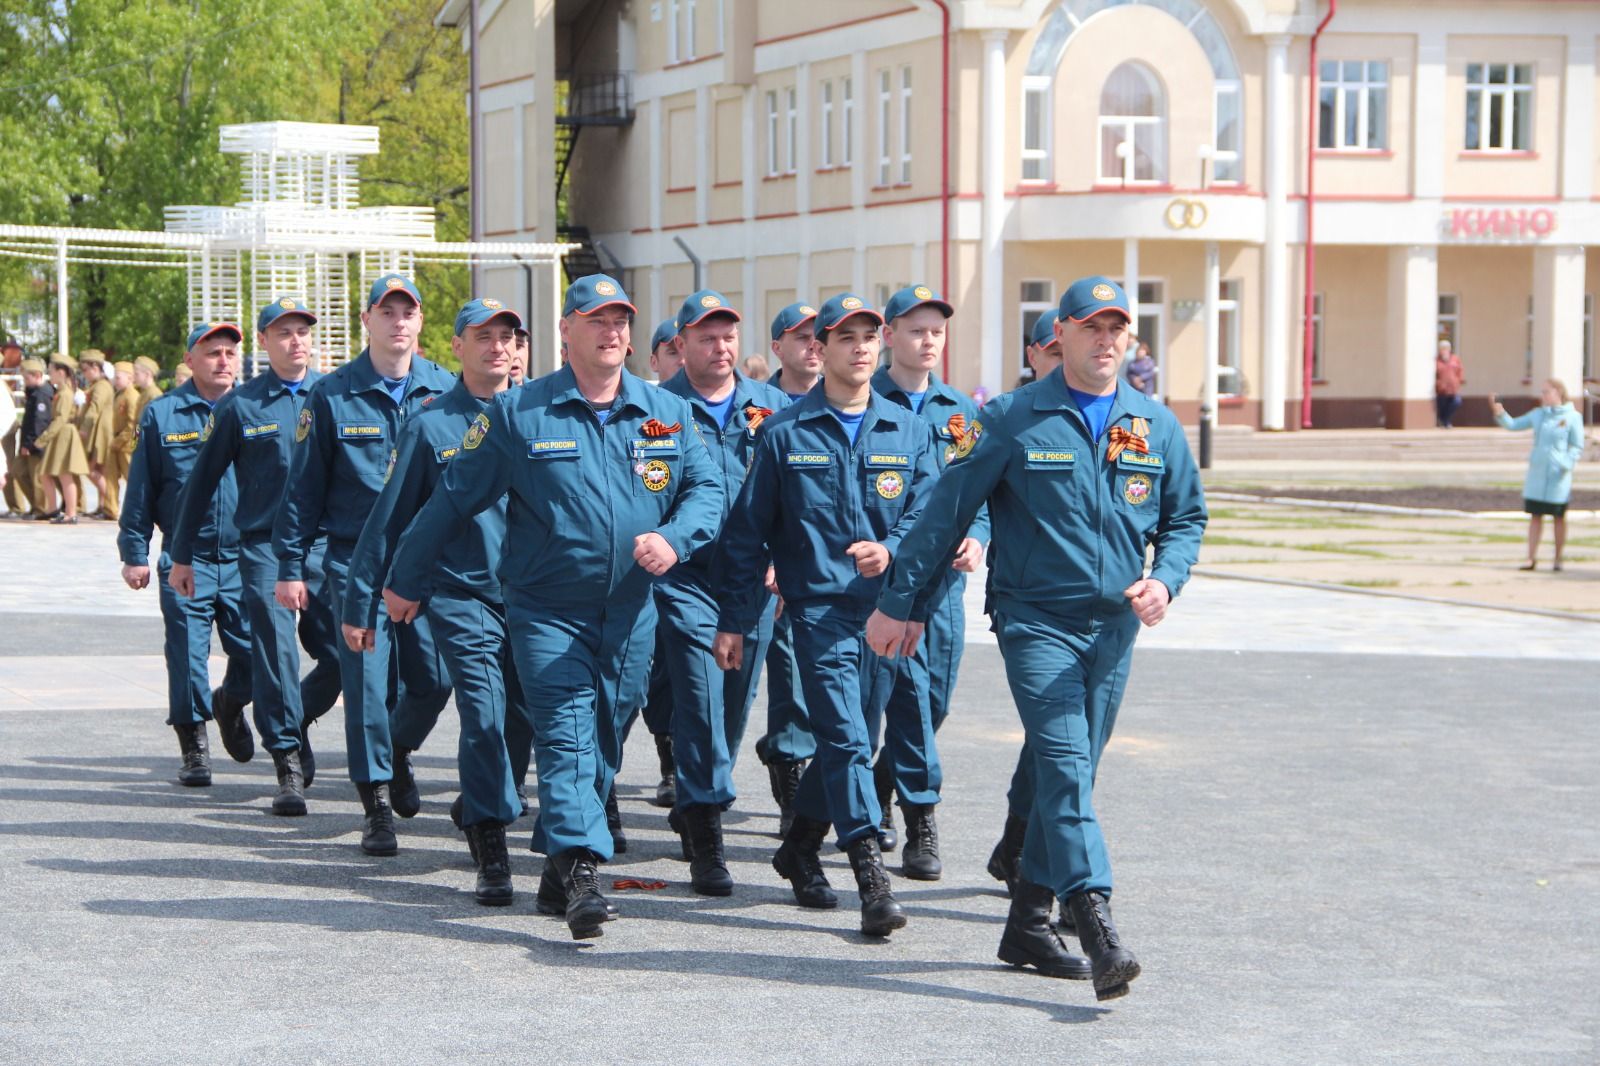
(944, 168)
(693, 259)
(1310, 338)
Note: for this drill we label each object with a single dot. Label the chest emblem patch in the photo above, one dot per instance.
(476, 432)
(1136, 490)
(302, 427)
(890, 484)
(656, 475)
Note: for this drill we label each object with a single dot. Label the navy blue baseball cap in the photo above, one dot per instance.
(1088, 297)
(1044, 329)
(843, 306)
(912, 297)
(792, 318)
(701, 306)
(477, 312)
(664, 334)
(389, 284)
(202, 330)
(284, 305)
(592, 292)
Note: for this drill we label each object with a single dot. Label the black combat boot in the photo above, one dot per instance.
(522, 795)
(552, 895)
(883, 779)
(667, 787)
(403, 790)
(708, 866)
(586, 909)
(457, 809)
(800, 861)
(291, 798)
(920, 859)
(308, 758)
(676, 823)
(880, 914)
(196, 769)
(237, 740)
(377, 831)
(619, 839)
(1005, 861)
(785, 778)
(494, 864)
(1114, 965)
(1029, 939)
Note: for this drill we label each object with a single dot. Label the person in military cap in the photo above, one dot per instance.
(463, 602)
(182, 374)
(519, 358)
(610, 486)
(17, 499)
(1044, 350)
(344, 436)
(248, 437)
(915, 332)
(709, 707)
(169, 438)
(38, 406)
(96, 425)
(124, 421)
(64, 460)
(1089, 474)
(788, 742)
(836, 480)
(145, 372)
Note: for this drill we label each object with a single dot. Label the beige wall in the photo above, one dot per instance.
(1353, 283)
(1489, 174)
(1494, 285)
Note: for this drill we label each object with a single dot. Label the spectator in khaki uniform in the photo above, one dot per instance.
(95, 424)
(64, 459)
(145, 370)
(124, 423)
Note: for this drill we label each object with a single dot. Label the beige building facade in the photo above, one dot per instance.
(997, 150)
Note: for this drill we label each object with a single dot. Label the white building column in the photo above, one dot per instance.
(1130, 279)
(992, 304)
(1558, 284)
(1213, 334)
(62, 296)
(702, 160)
(1427, 131)
(1275, 345)
(1411, 336)
(1577, 121)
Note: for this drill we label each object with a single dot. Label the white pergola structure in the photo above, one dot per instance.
(297, 228)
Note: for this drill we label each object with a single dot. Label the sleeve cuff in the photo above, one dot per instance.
(896, 605)
(291, 570)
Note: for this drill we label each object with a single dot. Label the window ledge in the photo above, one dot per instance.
(1230, 399)
(680, 188)
(726, 184)
(1131, 186)
(1495, 153)
(1355, 153)
(1035, 187)
(778, 177)
(1318, 381)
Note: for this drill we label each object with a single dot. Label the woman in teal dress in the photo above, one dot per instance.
(1557, 446)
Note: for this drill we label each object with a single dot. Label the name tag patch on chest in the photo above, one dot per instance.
(1138, 461)
(360, 431)
(552, 447)
(188, 436)
(888, 459)
(1048, 456)
(805, 459)
(642, 446)
(257, 430)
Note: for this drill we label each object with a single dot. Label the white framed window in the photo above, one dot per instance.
(1449, 328)
(1133, 127)
(1227, 148)
(880, 295)
(847, 125)
(905, 125)
(885, 105)
(1152, 301)
(1230, 333)
(772, 135)
(672, 30)
(688, 29)
(827, 124)
(1318, 367)
(1527, 346)
(1499, 107)
(1036, 128)
(1353, 105)
(792, 128)
(1037, 300)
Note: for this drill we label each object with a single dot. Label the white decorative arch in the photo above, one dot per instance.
(1068, 15)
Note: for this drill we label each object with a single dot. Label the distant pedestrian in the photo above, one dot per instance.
(1557, 446)
(1448, 377)
(64, 458)
(1141, 372)
(756, 367)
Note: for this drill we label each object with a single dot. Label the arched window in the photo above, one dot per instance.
(1133, 127)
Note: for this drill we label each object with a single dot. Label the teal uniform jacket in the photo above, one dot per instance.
(580, 491)
(250, 431)
(1557, 447)
(168, 444)
(939, 405)
(469, 563)
(810, 494)
(1073, 526)
(344, 438)
(732, 447)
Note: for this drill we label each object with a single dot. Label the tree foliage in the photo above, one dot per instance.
(110, 112)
